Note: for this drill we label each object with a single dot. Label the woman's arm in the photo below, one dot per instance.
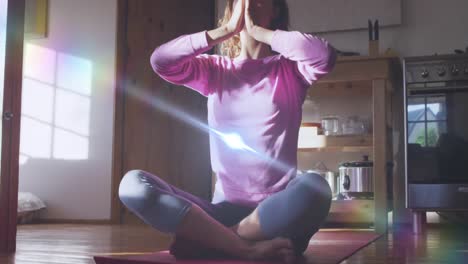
(232, 28)
(314, 56)
(179, 61)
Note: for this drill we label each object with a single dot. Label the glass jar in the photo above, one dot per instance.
(331, 126)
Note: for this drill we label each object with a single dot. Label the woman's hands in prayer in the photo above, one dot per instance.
(241, 19)
(255, 31)
(236, 23)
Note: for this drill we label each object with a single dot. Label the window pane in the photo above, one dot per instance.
(436, 108)
(417, 134)
(38, 100)
(70, 146)
(416, 106)
(72, 112)
(434, 131)
(35, 138)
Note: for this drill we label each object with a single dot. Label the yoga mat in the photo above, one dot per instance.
(325, 247)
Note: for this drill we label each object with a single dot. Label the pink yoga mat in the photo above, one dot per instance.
(326, 247)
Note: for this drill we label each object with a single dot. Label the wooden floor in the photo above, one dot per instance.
(76, 244)
(440, 245)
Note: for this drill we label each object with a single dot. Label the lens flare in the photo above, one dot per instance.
(234, 141)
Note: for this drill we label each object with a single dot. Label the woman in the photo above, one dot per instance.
(260, 209)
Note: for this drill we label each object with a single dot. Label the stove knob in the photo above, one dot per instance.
(441, 72)
(424, 73)
(455, 70)
(466, 70)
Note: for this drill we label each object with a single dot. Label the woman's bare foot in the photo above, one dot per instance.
(278, 248)
(275, 249)
(197, 223)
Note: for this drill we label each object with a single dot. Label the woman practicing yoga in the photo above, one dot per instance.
(260, 209)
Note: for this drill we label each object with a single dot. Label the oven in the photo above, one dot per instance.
(436, 132)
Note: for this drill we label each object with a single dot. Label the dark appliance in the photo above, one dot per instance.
(436, 134)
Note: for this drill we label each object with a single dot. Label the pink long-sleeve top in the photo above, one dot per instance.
(255, 102)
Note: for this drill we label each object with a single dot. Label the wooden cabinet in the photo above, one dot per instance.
(378, 79)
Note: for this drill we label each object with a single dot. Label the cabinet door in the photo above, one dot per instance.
(152, 136)
(11, 58)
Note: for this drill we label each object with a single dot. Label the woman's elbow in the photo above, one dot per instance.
(155, 60)
(329, 58)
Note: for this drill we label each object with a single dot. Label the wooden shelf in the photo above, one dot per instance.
(346, 89)
(359, 143)
(352, 211)
(362, 68)
(373, 79)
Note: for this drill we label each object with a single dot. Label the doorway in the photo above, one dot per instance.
(11, 67)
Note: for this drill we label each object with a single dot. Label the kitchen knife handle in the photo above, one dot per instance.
(376, 29)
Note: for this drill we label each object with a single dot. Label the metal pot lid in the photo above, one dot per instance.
(354, 164)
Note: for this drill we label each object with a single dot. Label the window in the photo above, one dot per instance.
(427, 119)
(56, 108)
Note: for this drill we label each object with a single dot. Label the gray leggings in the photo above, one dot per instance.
(296, 212)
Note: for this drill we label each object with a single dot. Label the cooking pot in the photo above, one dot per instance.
(356, 177)
(333, 180)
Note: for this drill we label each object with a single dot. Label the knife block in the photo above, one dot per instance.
(373, 48)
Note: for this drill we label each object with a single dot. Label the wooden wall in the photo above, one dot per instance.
(148, 136)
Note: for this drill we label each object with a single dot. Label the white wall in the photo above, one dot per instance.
(428, 27)
(344, 13)
(67, 113)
